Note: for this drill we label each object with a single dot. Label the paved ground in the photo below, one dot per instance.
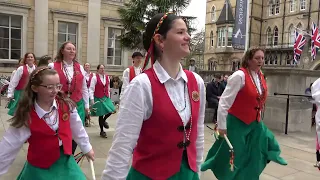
(297, 149)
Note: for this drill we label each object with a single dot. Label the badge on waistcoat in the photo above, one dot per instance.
(77, 72)
(195, 96)
(65, 116)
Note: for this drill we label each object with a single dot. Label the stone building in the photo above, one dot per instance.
(272, 25)
(40, 26)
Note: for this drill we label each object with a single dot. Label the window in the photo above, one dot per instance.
(114, 52)
(292, 5)
(230, 30)
(302, 4)
(235, 65)
(213, 14)
(269, 37)
(211, 39)
(67, 31)
(277, 7)
(291, 35)
(10, 36)
(275, 36)
(221, 37)
(271, 7)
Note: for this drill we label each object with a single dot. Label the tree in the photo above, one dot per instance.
(136, 13)
(196, 46)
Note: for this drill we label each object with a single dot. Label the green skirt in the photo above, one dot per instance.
(12, 106)
(185, 172)
(64, 168)
(81, 110)
(254, 147)
(103, 107)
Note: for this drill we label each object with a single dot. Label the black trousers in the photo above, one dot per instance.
(74, 146)
(318, 155)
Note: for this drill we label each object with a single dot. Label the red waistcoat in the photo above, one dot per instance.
(44, 147)
(158, 153)
(76, 83)
(24, 78)
(132, 73)
(89, 80)
(101, 90)
(249, 102)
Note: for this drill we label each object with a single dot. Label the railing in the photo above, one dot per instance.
(288, 104)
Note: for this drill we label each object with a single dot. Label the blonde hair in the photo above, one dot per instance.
(249, 55)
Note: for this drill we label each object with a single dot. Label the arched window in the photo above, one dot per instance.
(213, 14)
(211, 39)
(235, 65)
(275, 36)
(269, 37)
(291, 35)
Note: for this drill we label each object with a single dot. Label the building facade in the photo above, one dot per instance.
(41, 26)
(272, 26)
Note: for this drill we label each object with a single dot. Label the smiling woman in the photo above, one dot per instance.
(162, 111)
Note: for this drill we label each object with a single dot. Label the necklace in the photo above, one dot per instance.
(69, 79)
(255, 84)
(47, 117)
(185, 98)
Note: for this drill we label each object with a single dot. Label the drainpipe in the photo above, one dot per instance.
(283, 18)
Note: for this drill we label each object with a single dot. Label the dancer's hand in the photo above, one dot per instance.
(92, 101)
(222, 132)
(90, 155)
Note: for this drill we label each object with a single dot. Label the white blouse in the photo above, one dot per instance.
(85, 92)
(14, 81)
(315, 92)
(234, 84)
(94, 82)
(136, 107)
(126, 78)
(14, 138)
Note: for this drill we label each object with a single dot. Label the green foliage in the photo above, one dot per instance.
(136, 13)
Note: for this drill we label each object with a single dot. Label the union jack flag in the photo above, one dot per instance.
(315, 41)
(299, 43)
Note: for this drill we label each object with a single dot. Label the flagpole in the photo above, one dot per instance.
(303, 31)
(247, 26)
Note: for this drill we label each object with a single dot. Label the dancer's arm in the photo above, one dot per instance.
(10, 146)
(235, 83)
(92, 87)
(14, 82)
(315, 91)
(79, 134)
(200, 137)
(85, 92)
(125, 81)
(134, 109)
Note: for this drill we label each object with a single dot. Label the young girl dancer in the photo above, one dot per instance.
(88, 74)
(44, 60)
(162, 112)
(99, 92)
(48, 121)
(71, 75)
(19, 81)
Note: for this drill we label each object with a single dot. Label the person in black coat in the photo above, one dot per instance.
(213, 92)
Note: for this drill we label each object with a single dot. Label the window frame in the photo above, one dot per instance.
(18, 11)
(106, 46)
(67, 33)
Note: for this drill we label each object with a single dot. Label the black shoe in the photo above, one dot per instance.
(106, 125)
(103, 134)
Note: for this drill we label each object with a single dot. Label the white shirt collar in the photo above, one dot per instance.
(42, 112)
(163, 76)
(66, 64)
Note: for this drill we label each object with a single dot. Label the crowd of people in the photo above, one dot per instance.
(160, 118)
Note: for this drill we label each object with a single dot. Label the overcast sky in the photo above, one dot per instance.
(197, 8)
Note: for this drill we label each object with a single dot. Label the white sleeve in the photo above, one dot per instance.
(125, 81)
(10, 146)
(129, 123)
(14, 81)
(79, 134)
(235, 82)
(92, 87)
(200, 137)
(85, 92)
(315, 92)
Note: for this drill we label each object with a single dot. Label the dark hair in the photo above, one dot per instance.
(98, 67)
(43, 61)
(249, 55)
(25, 58)
(165, 26)
(59, 56)
(136, 54)
(26, 102)
(217, 75)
